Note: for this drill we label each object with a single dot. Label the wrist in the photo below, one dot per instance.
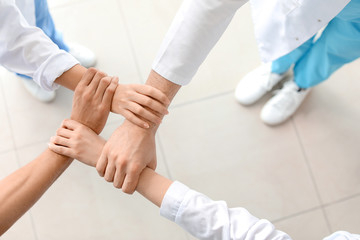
(151, 130)
(113, 107)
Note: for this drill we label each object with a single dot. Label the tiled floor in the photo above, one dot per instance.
(303, 175)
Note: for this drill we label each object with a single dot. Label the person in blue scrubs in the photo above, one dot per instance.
(313, 62)
(45, 22)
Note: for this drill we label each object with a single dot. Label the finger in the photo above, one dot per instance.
(70, 124)
(119, 178)
(150, 103)
(60, 141)
(110, 172)
(143, 112)
(154, 93)
(134, 119)
(131, 181)
(60, 150)
(86, 78)
(109, 93)
(101, 164)
(104, 83)
(95, 81)
(64, 132)
(153, 164)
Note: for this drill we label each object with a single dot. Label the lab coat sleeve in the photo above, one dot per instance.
(208, 219)
(27, 50)
(197, 27)
(342, 235)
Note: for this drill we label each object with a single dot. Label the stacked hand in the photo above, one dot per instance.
(131, 147)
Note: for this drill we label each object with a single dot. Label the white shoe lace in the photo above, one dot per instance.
(289, 93)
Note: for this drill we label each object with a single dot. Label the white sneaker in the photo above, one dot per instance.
(84, 55)
(37, 92)
(256, 84)
(284, 104)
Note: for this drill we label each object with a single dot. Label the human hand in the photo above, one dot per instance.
(140, 104)
(92, 99)
(128, 151)
(77, 141)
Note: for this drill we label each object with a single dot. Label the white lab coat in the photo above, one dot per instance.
(280, 27)
(213, 220)
(27, 50)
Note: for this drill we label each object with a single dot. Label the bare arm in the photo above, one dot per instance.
(22, 189)
(72, 77)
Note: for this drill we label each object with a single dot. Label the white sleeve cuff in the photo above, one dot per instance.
(172, 200)
(53, 68)
(170, 75)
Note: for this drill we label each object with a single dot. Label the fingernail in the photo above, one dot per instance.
(146, 125)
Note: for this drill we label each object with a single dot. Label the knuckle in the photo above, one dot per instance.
(112, 156)
(101, 74)
(134, 169)
(110, 90)
(106, 80)
(108, 179)
(127, 190)
(92, 70)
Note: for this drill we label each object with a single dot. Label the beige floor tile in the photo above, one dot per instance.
(85, 206)
(309, 226)
(6, 138)
(147, 22)
(100, 27)
(8, 163)
(234, 55)
(31, 120)
(22, 229)
(345, 215)
(53, 4)
(223, 150)
(328, 124)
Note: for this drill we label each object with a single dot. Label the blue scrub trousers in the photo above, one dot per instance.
(45, 22)
(339, 44)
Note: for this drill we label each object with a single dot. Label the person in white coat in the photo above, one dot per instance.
(36, 13)
(280, 27)
(313, 62)
(27, 50)
(193, 211)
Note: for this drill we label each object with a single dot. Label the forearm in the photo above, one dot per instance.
(167, 87)
(23, 188)
(153, 186)
(72, 77)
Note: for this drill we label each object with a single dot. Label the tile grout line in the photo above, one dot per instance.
(341, 200)
(202, 99)
(17, 156)
(316, 208)
(311, 175)
(136, 62)
(297, 214)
